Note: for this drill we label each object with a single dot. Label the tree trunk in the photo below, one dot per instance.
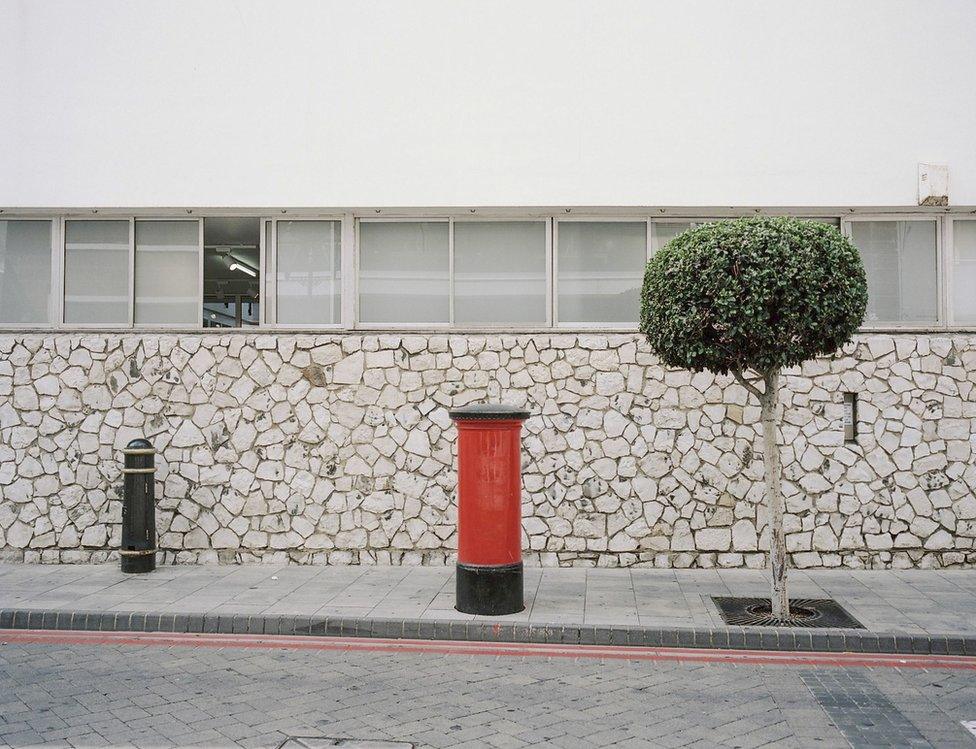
(774, 496)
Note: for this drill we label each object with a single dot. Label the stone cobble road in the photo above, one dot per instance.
(149, 696)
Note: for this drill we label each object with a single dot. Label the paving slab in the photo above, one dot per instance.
(901, 610)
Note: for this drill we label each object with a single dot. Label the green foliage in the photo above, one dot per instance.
(760, 293)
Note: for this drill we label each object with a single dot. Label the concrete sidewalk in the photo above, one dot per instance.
(932, 610)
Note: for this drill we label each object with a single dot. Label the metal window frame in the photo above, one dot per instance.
(266, 311)
(350, 276)
(350, 258)
(262, 218)
(53, 304)
(550, 270)
(554, 284)
(132, 266)
(940, 324)
(379, 326)
(950, 263)
(131, 270)
(269, 315)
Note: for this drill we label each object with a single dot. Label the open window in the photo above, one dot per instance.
(231, 272)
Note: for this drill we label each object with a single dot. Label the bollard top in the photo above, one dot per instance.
(139, 446)
(489, 412)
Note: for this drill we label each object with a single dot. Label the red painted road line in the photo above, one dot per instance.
(453, 647)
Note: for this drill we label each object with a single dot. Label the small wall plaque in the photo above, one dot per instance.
(933, 184)
(850, 417)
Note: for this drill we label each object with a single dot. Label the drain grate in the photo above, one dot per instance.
(804, 612)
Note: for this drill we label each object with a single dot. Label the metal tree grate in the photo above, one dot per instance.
(804, 612)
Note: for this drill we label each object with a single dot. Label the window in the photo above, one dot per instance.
(500, 272)
(307, 271)
(510, 272)
(25, 272)
(600, 270)
(964, 272)
(404, 272)
(231, 272)
(901, 261)
(96, 272)
(167, 285)
(663, 232)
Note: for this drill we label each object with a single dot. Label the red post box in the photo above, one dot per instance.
(489, 566)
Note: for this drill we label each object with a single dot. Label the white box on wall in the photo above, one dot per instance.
(933, 184)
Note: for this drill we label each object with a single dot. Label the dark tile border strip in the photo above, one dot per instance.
(729, 638)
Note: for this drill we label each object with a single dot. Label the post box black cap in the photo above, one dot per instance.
(139, 444)
(489, 412)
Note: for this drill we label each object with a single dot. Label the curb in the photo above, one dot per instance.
(726, 638)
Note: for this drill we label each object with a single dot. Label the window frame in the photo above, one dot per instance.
(131, 270)
(451, 220)
(132, 324)
(132, 263)
(550, 270)
(349, 286)
(554, 277)
(359, 325)
(950, 262)
(54, 302)
(269, 262)
(940, 323)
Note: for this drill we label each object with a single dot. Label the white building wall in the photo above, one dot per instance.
(447, 103)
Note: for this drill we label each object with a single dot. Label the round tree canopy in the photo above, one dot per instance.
(759, 293)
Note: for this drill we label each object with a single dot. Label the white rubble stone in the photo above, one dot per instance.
(349, 371)
(713, 539)
(19, 535)
(417, 443)
(941, 539)
(224, 538)
(744, 536)
(188, 435)
(95, 535)
(202, 361)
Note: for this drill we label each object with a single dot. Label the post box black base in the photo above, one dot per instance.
(489, 591)
(138, 562)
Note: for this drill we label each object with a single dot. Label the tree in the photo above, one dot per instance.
(750, 297)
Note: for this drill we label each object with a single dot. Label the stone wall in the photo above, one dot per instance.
(338, 449)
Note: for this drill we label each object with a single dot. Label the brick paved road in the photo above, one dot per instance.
(97, 695)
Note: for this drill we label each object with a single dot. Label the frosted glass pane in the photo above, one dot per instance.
(96, 272)
(308, 272)
(900, 260)
(601, 268)
(25, 271)
(964, 271)
(663, 232)
(167, 272)
(404, 272)
(499, 272)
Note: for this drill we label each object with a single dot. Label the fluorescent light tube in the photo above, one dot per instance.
(244, 269)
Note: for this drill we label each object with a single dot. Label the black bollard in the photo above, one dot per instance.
(138, 550)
